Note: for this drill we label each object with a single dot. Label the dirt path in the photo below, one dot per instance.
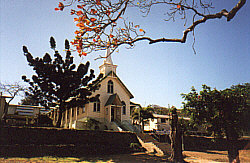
(216, 156)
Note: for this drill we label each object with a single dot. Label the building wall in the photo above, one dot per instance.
(118, 89)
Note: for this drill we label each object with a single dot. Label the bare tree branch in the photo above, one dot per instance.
(13, 90)
(224, 12)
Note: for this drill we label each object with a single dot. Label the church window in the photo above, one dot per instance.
(83, 109)
(123, 108)
(163, 120)
(97, 107)
(110, 87)
(94, 109)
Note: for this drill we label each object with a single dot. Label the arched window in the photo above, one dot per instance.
(123, 108)
(110, 87)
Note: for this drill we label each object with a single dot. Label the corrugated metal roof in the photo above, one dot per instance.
(167, 116)
(160, 116)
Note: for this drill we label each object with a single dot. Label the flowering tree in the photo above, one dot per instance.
(101, 24)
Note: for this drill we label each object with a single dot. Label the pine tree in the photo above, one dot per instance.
(57, 81)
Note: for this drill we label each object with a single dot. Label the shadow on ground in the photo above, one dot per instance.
(119, 158)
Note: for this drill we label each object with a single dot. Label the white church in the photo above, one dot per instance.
(113, 109)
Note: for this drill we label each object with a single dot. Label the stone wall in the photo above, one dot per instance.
(201, 143)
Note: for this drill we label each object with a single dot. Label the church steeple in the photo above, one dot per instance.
(107, 65)
(108, 58)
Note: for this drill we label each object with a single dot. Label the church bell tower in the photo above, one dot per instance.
(107, 65)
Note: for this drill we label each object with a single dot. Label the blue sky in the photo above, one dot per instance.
(155, 74)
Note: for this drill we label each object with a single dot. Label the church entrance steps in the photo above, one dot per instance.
(119, 124)
(129, 127)
(123, 126)
(115, 127)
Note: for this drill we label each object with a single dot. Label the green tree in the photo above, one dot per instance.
(221, 112)
(29, 100)
(58, 83)
(141, 115)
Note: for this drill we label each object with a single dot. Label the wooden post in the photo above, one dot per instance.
(176, 138)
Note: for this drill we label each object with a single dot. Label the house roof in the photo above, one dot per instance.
(132, 104)
(123, 85)
(5, 96)
(161, 116)
(114, 100)
(167, 116)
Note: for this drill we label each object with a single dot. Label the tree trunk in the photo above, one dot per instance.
(5, 112)
(176, 140)
(232, 137)
(233, 152)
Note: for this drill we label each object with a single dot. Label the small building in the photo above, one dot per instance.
(3, 103)
(159, 124)
(24, 114)
(20, 114)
